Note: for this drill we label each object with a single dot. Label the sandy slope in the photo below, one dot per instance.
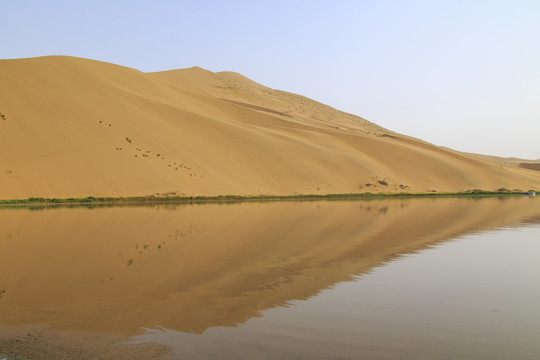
(75, 127)
(533, 164)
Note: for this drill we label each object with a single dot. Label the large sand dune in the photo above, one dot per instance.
(75, 127)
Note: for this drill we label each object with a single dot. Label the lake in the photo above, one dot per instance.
(434, 278)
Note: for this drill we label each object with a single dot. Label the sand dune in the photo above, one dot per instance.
(74, 127)
(512, 161)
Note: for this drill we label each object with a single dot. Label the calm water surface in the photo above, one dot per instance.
(381, 279)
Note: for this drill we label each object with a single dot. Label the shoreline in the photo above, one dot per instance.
(153, 199)
(41, 341)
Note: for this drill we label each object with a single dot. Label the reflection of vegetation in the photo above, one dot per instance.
(2, 292)
(130, 262)
(91, 201)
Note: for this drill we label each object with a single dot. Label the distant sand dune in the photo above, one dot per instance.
(512, 161)
(75, 127)
(530, 166)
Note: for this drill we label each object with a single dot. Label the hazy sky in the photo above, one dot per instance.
(463, 74)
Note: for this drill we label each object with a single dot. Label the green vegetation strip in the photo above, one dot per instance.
(230, 198)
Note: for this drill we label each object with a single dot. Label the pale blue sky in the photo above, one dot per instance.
(463, 74)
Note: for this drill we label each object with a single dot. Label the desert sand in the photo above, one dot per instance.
(75, 127)
(38, 342)
(512, 161)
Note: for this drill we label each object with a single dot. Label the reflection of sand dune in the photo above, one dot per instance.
(193, 267)
(75, 127)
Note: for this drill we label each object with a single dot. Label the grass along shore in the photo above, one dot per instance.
(233, 198)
